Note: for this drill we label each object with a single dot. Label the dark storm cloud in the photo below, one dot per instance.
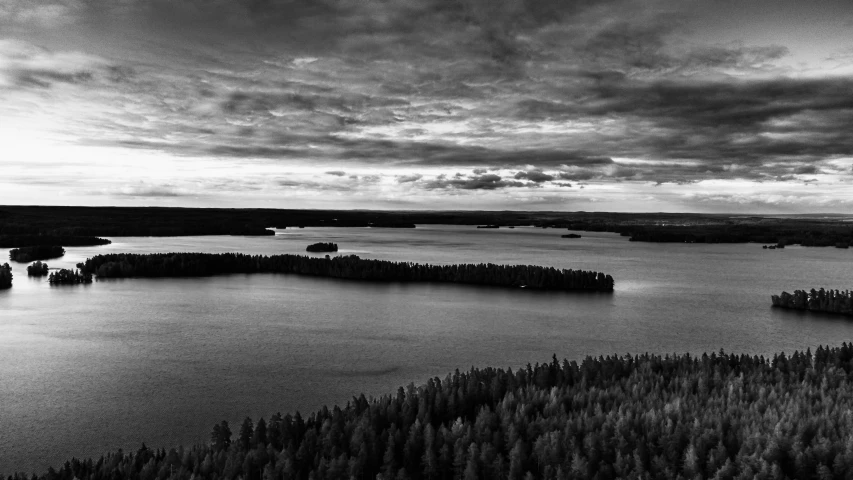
(535, 176)
(337, 173)
(489, 181)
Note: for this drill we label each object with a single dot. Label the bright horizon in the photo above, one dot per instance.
(599, 105)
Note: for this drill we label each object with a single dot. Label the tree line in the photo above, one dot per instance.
(829, 301)
(10, 241)
(5, 276)
(38, 252)
(721, 415)
(345, 267)
(37, 269)
(69, 277)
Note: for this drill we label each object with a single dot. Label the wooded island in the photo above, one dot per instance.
(345, 267)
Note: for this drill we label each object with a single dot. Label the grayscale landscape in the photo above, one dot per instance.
(443, 239)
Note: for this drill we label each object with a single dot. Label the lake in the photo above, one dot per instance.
(89, 369)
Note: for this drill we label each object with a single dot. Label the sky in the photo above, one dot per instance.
(566, 105)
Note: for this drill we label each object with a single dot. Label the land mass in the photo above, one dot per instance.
(807, 230)
(346, 267)
(825, 301)
(716, 415)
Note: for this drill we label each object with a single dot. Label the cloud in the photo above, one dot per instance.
(25, 65)
(535, 176)
(489, 181)
(409, 178)
(337, 173)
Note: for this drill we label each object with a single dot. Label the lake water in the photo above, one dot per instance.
(88, 369)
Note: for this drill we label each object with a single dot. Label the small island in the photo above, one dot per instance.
(69, 277)
(38, 252)
(322, 247)
(570, 235)
(826, 301)
(5, 276)
(37, 269)
(488, 226)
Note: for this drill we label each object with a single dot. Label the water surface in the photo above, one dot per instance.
(88, 369)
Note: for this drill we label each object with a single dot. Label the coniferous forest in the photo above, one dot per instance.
(39, 252)
(37, 269)
(721, 415)
(8, 241)
(5, 276)
(345, 267)
(69, 277)
(827, 301)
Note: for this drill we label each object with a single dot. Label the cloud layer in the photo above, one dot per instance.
(525, 99)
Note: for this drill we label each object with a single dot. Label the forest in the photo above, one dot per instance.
(345, 267)
(5, 276)
(826, 301)
(722, 416)
(12, 241)
(37, 269)
(69, 277)
(644, 227)
(39, 252)
(322, 247)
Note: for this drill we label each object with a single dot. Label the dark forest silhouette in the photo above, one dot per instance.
(827, 301)
(69, 277)
(345, 267)
(37, 269)
(39, 252)
(5, 276)
(322, 247)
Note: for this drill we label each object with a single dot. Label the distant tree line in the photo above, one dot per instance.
(807, 234)
(720, 416)
(346, 267)
(828, 301)
(69, 277)
(5, 276)
(322, 247)
(39, 252)
(9, 241)
(37, 269)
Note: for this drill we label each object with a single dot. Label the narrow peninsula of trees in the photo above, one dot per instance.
(720, 416)
(827, 301)
(11, 241)
(69, 277)
(322, 247)
(5, 276)
(346, 267)
(37, 269)
(39, 252)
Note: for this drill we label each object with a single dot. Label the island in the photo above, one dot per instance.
(345, 267)
(570, 235)
(39, 252)
(37, 269)
(322, 247)
(826, 301)
(69, 277)
(5, 276)
(488, 226)
(717, 415)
